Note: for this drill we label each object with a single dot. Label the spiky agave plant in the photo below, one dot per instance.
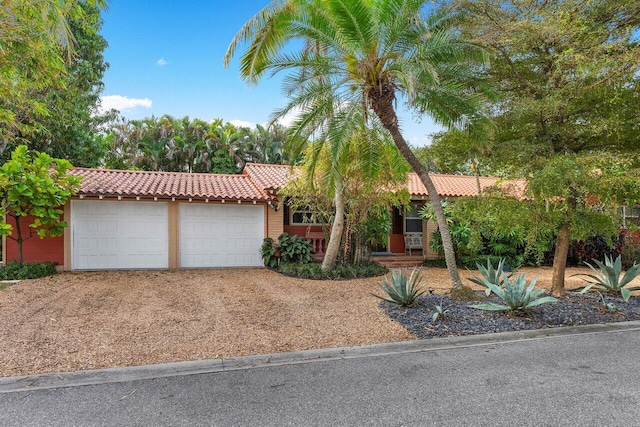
(489, 275)
(516, 296)
(608, 278)
(402, 290)
(440, 312)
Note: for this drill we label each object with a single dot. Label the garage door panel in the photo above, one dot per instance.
(221, 235)
(119, 235)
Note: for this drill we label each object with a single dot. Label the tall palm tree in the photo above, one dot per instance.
(367, 53)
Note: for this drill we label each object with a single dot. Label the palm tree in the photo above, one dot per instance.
(366, 53)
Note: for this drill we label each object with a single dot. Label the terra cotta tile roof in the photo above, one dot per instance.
(125, 183)
(270, 177)
(258, 182)
(450, 185)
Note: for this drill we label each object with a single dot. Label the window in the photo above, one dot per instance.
(630, 215)
(413, 221)
(304, 218)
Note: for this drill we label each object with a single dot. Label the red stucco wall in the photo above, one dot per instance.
(35, 249)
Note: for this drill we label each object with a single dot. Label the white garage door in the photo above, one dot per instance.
(221, 235)
(118, 235)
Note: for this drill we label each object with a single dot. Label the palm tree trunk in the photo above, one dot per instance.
(382, 104)
(333, 246)
(560, 261)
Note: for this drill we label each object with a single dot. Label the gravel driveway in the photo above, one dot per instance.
(92, 320)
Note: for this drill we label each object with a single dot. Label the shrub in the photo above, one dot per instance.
(287, 249)
(516, 296)
(402, 290)
(34, 270)
(435, 263)
(294, 248)
(593, 247)
(314, 271)
(509, 262)
(270, 253)
(303, 271)
(608, 278)
(630, 251)
(489, 275)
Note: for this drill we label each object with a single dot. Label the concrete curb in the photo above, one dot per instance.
(147, 372)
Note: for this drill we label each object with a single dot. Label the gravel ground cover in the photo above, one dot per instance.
(93, 320)
(461, 319)
(572, 309)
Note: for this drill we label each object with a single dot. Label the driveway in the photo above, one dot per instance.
(91, 320)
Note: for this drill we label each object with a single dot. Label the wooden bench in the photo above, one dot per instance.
(412, 241)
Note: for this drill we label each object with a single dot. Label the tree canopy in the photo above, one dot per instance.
(37, 60)
(191, 145)
(351, 174)
(366, 54)
(567, 72)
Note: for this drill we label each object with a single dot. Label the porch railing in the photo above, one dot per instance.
(318, 242)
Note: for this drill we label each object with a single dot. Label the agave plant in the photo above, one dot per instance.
(489, 275)
(402, 290)
(516, 296)
(440, 312)
(611, 307)
(608, 278)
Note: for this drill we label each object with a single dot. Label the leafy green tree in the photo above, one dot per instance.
(38, 49)
(568, 74)
(122, 152)
(366, 53)
(36, 185)
(185, 145)
(459, 151)
(269, 144)
(346, 171)
(72, 132)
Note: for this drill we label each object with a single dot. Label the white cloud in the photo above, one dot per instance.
(288, 119)
(160, 62)
(123, 103)
(242, 123)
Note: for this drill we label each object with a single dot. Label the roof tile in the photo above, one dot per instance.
(450, 185)
(270, 177)
(258, 182)
(126, 183)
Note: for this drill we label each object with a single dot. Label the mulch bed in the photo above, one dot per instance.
(569, 310)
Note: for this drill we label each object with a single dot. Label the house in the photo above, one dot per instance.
(157, 220)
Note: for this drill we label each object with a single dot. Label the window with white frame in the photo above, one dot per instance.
(412, 219)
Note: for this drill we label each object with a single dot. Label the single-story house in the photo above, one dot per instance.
(157, 220)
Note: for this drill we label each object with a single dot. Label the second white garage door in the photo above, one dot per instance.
(213, 235)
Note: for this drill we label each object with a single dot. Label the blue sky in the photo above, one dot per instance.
(166, 58)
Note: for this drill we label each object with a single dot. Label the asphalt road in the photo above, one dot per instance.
(569, 380)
